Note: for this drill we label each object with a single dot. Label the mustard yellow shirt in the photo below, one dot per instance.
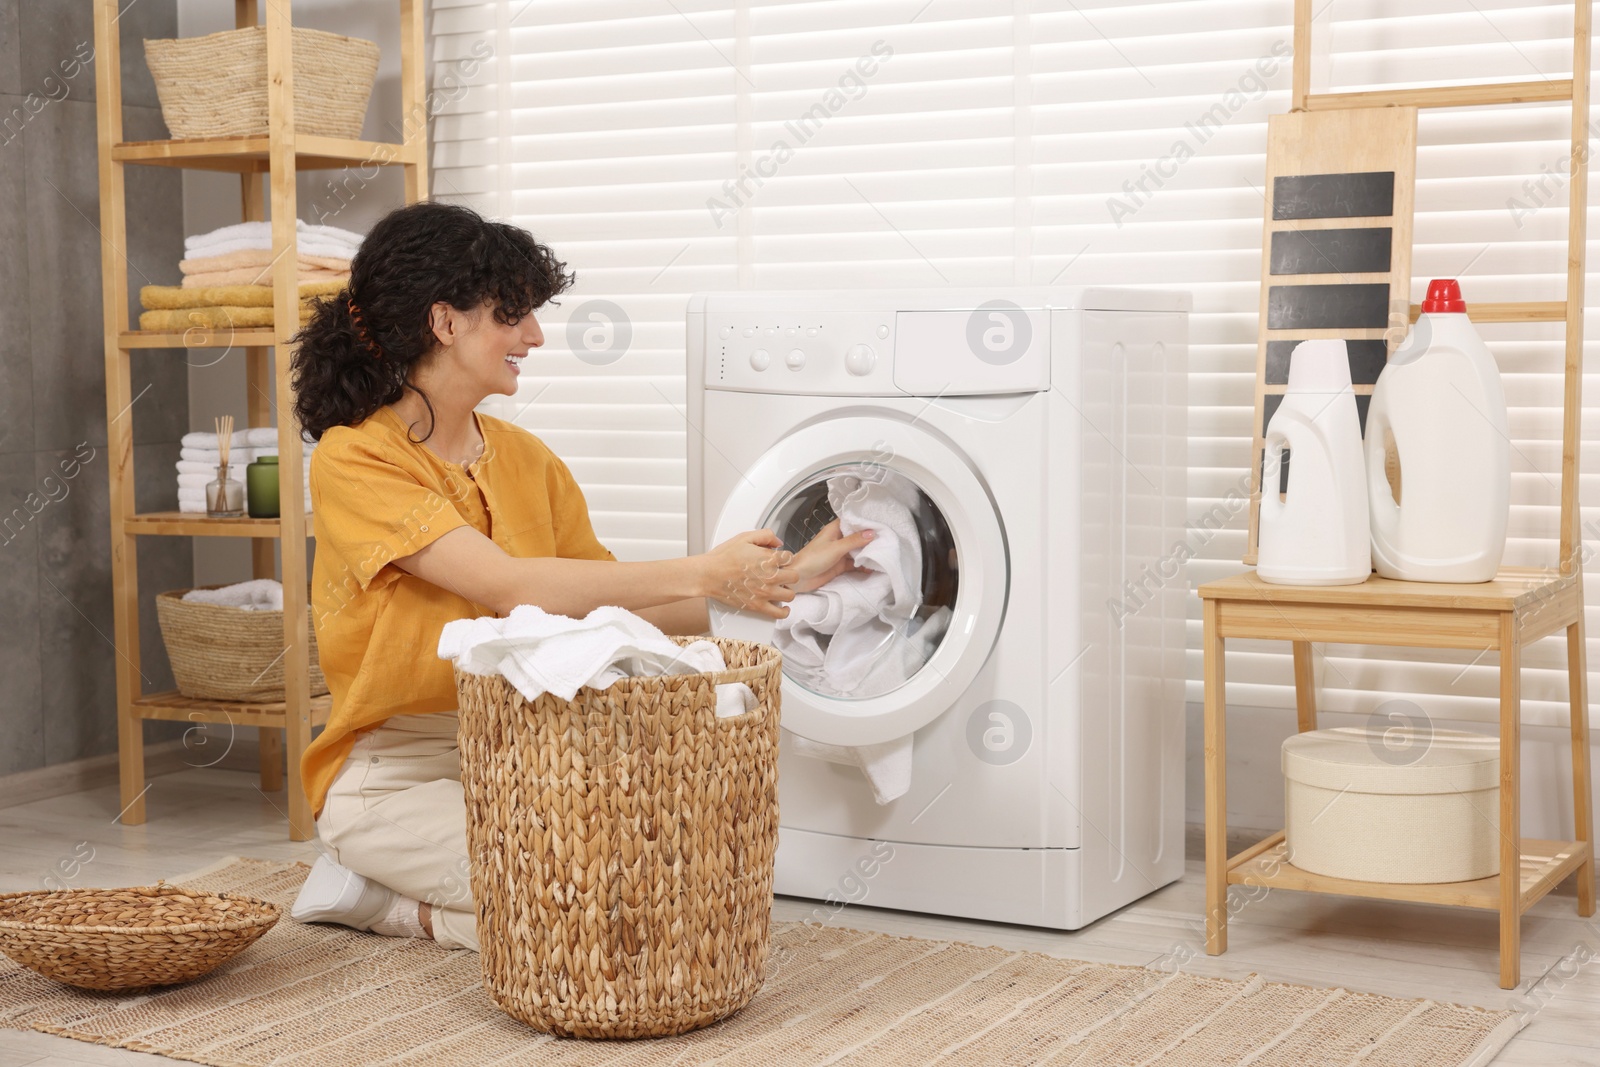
(377, 496)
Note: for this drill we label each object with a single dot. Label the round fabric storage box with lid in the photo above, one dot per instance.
(1393, 805)
(622, 846)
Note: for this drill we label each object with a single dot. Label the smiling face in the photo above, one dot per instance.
(478, 354)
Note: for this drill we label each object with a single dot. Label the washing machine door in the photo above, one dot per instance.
(906, 671)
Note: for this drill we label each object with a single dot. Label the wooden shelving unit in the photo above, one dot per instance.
(267, 167)
(1502, 616)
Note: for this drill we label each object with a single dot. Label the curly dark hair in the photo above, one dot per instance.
(357, 352)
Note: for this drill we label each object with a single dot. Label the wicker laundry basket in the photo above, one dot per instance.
(622, 846)
(224, 653)
(216, 85)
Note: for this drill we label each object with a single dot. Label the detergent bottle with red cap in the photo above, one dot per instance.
(1438, 451)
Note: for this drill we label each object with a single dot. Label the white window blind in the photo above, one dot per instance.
(667, 147)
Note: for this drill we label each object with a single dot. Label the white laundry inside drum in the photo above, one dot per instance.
(867, 632)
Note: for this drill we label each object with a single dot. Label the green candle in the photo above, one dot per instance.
(261, 487)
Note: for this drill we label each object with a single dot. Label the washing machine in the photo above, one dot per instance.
(1044, 430)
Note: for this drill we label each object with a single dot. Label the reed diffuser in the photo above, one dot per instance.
(225, 496)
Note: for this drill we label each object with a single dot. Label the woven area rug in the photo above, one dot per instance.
(315, 995)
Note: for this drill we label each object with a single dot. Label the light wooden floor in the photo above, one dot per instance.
(198, 816)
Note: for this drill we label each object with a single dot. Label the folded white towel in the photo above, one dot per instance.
(538, 653)
(887, 766)
(303, 246)
(190, 494)
(237, 457)
(259, 235)
(209, 441)
(260, 594)
(331, 233)
(249, 437)
(200, 480)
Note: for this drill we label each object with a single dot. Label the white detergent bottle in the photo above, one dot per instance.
(1440, 407)
(1317, 532)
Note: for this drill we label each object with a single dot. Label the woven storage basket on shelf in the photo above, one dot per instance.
(223, 653)
(129, 938)
(216, 85)
(622, 847)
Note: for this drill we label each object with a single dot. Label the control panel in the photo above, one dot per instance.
(815, 352)
(989, 349)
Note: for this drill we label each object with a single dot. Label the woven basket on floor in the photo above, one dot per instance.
(622, 846)
(223, 653)
(129, 938)
(216, 85)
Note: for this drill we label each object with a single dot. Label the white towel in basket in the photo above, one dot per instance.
(261, 594)
(541, 653)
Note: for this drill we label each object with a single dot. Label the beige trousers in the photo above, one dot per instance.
(395, 813)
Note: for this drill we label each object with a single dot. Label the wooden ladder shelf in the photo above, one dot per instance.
(1504, 615)
(277, 157)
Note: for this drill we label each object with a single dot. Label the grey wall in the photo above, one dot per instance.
(57, 681)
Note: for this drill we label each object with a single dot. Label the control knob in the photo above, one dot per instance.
(860, 359)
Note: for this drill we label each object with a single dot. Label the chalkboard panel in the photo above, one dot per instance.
(1351, 251)
(1367, 359)
(1328, 307)
(1333, 196)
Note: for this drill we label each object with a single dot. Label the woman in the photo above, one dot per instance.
(426, 511)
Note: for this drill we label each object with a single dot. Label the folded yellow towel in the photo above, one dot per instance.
(258, 257)
(257, 276)
(164, 297)
(177, 320)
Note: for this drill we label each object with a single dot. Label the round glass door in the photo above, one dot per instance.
(880, 651)
(868, 631)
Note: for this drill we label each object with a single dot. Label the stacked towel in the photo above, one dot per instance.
(181, 307)
(227, 277)
(242, 254)
(199, 455)
(540, 653)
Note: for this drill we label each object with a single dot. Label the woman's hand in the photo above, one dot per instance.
(827, 556)
(750, 572)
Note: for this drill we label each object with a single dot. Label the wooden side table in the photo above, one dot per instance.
(1504, 615)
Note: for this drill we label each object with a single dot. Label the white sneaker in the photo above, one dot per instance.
(335, 894)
